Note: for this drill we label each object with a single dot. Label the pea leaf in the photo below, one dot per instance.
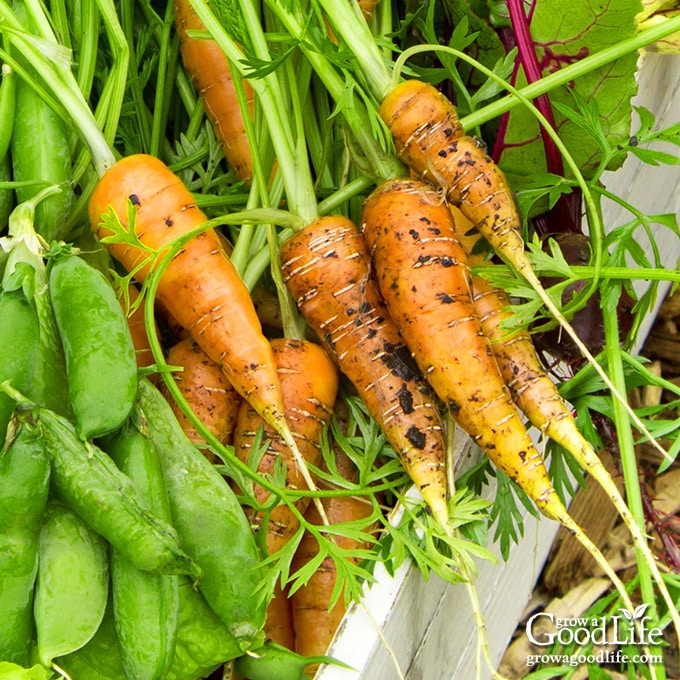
(12, 671)
(587, 27)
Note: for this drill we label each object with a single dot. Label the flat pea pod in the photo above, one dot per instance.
(24, 481)
(145, 604)
(6, 194)
(203, 641)
(275, 661)
(8, 98)
(89, 482)
(72, 585)
(19, 347)
(41, 156)
(210, 522)
(100, 658)
(7, 111)
(101, 364)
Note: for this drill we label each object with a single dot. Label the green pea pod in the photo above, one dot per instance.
(19, 334)
(274, 661)
(100, 658)
(203, 641)
(72, 584)
(89, 482)
(7, 114)
(145, 604)
(41, 156)
(49, 387)
(8, 98)
(101, 363)
(24, 481)
(6, 194)
(13, 671)
(210, 522)
(25, 270)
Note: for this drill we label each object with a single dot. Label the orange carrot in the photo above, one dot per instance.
(315, 621)
(424, 277)
(206, 390)
(278, 625)
(200, 287)
(327, 268)
(367, 8)
(430, 139)
(209, 68)
(137, 326)
(309, 380)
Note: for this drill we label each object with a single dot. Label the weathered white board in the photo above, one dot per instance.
(410, 628)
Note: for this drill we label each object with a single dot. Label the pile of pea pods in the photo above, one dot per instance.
(124, 554)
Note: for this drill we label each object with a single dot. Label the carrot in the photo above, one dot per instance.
(424, 277)
(327, 268)
(534, 392)
(200, 287)
(316, 616)
(207, 391)
(431, 141)
(135, 318)
(367, 8)
(429, 138)
(309, 380)
(278, 625)
(209, 68)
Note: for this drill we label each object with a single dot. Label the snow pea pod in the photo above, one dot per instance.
(19, 335)
(8, 89)
(88, 481)
(6, 194)
(72, 585)
(101, 364)
(210, 522)
(24, 480)
(7, 109)
(145, 604)
(41, 156)
(275, 661)
(100, 658)
(203, 641)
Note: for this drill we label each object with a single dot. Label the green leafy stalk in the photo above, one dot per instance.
(57, 78)
(622, 422)
(366, 131)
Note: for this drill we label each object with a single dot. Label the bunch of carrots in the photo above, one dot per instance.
(306, 287)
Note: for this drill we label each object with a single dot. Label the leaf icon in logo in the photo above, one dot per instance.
(640, 610)
(626, 614)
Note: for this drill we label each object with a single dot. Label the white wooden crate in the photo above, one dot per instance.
(410, 628)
